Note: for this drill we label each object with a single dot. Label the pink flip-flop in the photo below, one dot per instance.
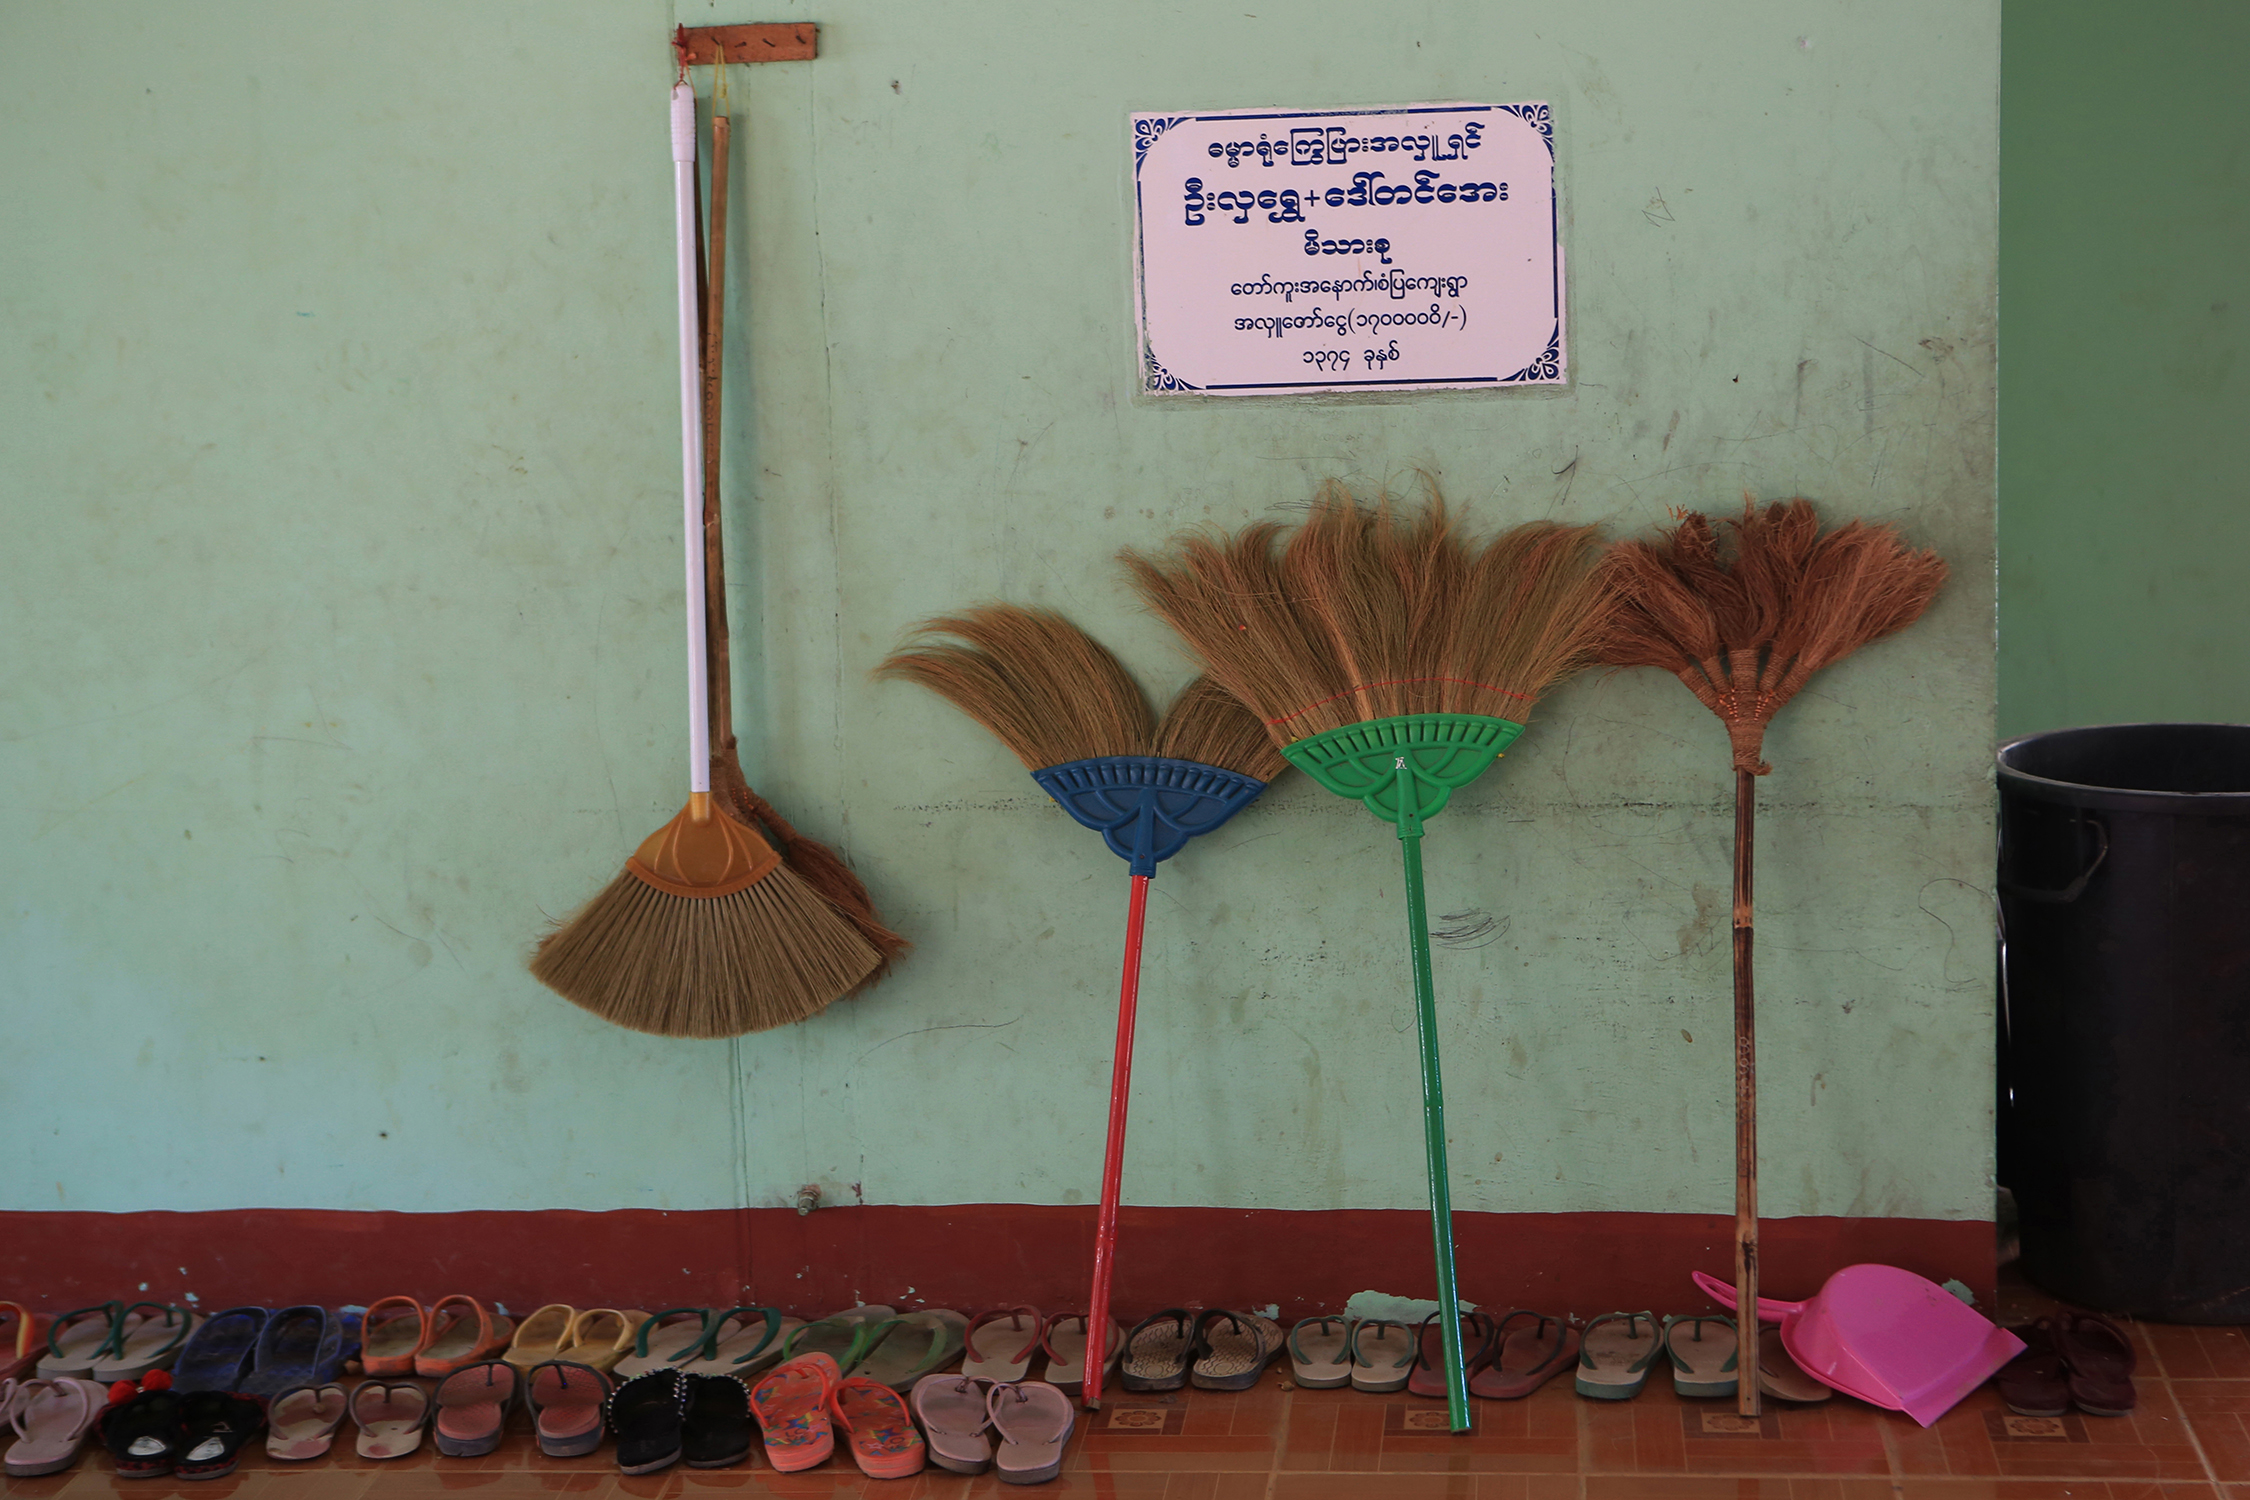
(566, 1407)
(301, 1424)
(472, 1408)
(390, 1418)
(883, 1440)
(1525, 1355)
(52, 1418)
(997, 1353)
(1065, 1339)
(954, 1415)
(791, 1405)
(1034, 1420)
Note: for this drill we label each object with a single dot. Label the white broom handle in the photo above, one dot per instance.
(691, 439)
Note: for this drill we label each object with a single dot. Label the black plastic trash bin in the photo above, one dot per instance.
(2125, 1053)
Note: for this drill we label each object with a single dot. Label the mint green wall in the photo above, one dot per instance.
(342, 610)
(2125, 259)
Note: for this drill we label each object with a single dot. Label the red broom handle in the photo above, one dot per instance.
(1113, 1156)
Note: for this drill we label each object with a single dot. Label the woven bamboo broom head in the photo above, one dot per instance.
(1368, 610)
(1744, 612)
(1047, 689)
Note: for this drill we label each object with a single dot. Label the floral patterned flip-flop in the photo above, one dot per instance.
(791, 1405)
(883, 1440)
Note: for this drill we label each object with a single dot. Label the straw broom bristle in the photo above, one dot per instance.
(1375, 611)
(820, 867)
(1048, 690)
(1746, 619)
(1208, 725)
(765, 956)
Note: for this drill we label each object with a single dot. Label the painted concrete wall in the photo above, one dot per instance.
(343, 605)
(2127, 428)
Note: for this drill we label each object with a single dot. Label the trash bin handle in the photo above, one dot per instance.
(2076, 888)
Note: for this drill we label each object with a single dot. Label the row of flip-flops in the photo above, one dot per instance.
(668, 1415)
(658, 1418)
(247, 1349)
(870, 1341)
(261, 1351)
(1508, 1357)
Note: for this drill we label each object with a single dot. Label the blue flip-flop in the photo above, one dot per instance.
(300, 1346)
(218, 1355)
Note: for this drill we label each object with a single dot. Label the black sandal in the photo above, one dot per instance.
(718, 1430)
(144, 1434)
(648, 1414)
(217, 1424)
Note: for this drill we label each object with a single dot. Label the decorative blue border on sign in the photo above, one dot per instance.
(1539, 118)
(1544, 368)
(1548, 366)
(1157, 378)
(1146, 133)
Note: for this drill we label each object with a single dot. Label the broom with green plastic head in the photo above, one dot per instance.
(1392, 661)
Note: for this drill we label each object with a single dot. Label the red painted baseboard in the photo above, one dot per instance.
(962, 1255)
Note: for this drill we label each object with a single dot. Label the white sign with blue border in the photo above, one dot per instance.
(1292, 252)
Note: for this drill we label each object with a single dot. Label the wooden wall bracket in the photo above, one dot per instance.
(767, 41)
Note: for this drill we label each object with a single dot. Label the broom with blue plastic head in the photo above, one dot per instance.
(1069, 711)
(1392, 661)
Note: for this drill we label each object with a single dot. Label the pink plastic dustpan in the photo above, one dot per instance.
(1887, 1336)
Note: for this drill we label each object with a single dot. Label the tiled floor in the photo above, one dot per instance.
(2190, 1438)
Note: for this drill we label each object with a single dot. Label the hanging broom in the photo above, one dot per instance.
(1069, 711)
(815, 863)
(1745, 622)
(706, 933)
(1392, 662)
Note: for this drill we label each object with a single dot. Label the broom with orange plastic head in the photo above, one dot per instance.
(707, 932)
(1745, 616)
(1392, 661)
(1069, 711)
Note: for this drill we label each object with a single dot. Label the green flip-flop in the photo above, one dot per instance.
(1616, 1353)
(845, 1337)
(1706, 1361)
(902, 1350)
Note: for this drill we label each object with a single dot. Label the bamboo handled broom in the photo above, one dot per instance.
(815, 863)
(706, 932)
(1745, 620)
(1392, 661)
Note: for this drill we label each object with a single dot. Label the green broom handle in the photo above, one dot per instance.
(1433, 1102)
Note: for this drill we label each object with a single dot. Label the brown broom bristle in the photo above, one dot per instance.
(1208, 725)
(819, 866)
(645, 959)
(1375, 611)
(1746, 619)
(1049, 691)
(706, 933)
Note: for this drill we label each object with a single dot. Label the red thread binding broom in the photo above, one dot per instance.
(1070, 712)
(1745, 620)
(1392, 663)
